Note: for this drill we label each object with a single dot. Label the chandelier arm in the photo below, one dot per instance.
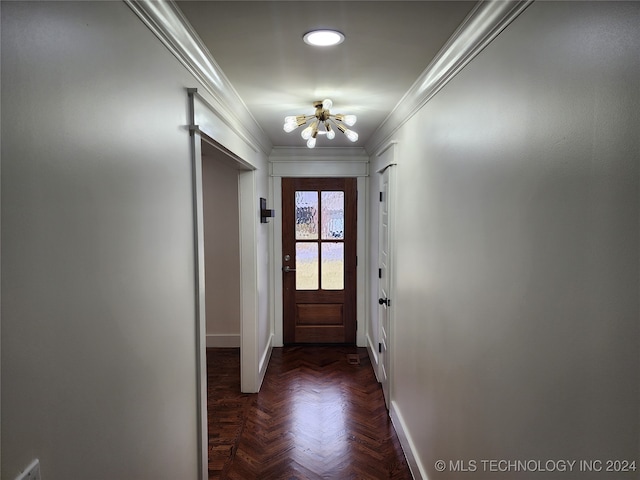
(306, 117)
(338, 124)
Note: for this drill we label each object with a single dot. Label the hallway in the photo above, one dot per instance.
(319, 415)
(513, 229)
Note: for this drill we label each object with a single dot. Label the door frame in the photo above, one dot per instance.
(340, 164)
(247, 262)
(385, 159)
(385, 374)
(346, 297)
(206, 126)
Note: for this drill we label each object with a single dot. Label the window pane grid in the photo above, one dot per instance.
(332, 215)
(332, 265)
(319, 240)
(307, 265)
(306, 209)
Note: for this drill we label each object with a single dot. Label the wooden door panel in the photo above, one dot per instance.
(319, 259)
(319, 314)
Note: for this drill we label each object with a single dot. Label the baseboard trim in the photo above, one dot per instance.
(223, 340)
(373, 356)
(264, 361)
(417, 470)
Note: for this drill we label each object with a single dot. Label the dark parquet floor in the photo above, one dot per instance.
(320, 415)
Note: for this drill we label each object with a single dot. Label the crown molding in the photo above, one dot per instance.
(485, 22)
(319, 162)
(168, 23)
(302, 154)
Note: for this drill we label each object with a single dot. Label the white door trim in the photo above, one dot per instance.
(390, 167)
(348, 167)
(201, 317)
(385, 280)
(250, 377)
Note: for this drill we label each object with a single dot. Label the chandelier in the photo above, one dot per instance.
(322, 116)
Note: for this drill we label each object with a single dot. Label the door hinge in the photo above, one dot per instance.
(380, 196)
(379, 273)
(380, 348)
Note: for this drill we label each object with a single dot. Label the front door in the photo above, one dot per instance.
(319, 260)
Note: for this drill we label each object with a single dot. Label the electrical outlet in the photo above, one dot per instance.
(32, 472)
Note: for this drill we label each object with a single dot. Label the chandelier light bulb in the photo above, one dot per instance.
(290, 119)
(306, 133)
(351, 135)
(327, 104)
(311, 143)
(290, 126)
(330, 133)
(350, 120)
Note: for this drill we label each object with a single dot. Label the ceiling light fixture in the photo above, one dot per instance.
(324, 116)
(323, 38)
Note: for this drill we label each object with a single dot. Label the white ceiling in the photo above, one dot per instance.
(259, 47)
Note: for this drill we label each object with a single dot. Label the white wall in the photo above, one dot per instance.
(98, 298)
(518, 232)
(221, 250)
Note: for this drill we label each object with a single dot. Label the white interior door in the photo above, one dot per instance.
(384, 284)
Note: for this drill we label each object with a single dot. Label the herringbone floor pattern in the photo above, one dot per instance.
(317, 416)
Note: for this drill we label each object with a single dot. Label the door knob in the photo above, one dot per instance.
(384, 301)
(287, 269)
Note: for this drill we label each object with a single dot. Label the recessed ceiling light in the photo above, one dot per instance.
(323, 38)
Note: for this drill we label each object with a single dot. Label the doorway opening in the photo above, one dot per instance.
(221, 219)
